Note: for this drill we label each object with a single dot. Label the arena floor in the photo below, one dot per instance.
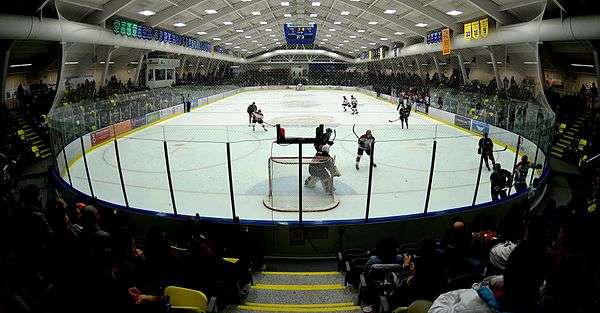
(197, 157)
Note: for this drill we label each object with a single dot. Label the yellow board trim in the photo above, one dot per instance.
(312, 305)
(298, 287)
(300, 273)
(298, 309)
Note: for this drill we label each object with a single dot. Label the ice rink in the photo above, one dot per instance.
(198, 163)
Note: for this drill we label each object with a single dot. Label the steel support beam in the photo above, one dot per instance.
(496, 72)
(492, 9)
(138, 68)
(463, 70)
(106, 65)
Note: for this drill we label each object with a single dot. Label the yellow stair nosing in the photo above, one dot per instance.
(311, 305)
(300, 273)
(296, 309)
(298, 287)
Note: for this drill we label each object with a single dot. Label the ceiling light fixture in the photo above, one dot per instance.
(287, 15)
(179, 24)
(285, 4)
(147, 13)
(345, 13)
(360, 31)
(201, 33)
(227, 23)
(399, 33)
(316, 4)
(454, 12)
(268, 30)
(255, 13)
(216, 39)
(72, 62)
(352, 37)
(263, 23)
(247, 37)
(389, 11)
(337, 23)
(421, 25)
(313, 15)
(210, 11)
(582, 65)
(239, 30)
(373, 23)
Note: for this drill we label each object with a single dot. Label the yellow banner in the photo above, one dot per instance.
(484, 27)
(468, 31)
(475, 30)
(446, 49)
(370, 54)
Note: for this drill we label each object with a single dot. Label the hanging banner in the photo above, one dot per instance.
(468, 31)
(446, 49)
(475, 30)
(484, 27)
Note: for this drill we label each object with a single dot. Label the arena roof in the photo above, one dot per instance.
(345, 26)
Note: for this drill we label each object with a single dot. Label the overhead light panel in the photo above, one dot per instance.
(247, 37)
(389, 11)
(216, 39)
(147, 13)
(421, 25)
(228, 43)
(201, 33)
(582, 65)
(227, 23)
(263, 23)
(239, 30)
(236, 47)
(352, 37)
(346, 41)
(211, 11)
(272, 35)
(454, 12)
(254, 41)
(337, 23)
(179, 24)
(285, 4)
(345, 13)
(373, 23)
(255, 13)
(313, 15)
(268, 29)
(399, 33)
(530, 62)
(71, 62)
(360, 30)
(383, 39)
(372, 43)
(287, 15)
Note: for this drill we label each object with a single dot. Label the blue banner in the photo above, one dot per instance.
(480, 127)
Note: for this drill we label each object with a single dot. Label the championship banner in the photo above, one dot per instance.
(446, 49)
(484, 27)
(468, 31)
(475, 30)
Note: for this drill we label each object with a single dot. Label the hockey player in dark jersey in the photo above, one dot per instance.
(354, 104)
(486, 149)
(520, 173)
(500, 179)
(251, 109)
(327, 140)
(365, 142)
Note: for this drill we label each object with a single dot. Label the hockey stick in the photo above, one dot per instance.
(500, 150)
(354, 131)
(392, 121)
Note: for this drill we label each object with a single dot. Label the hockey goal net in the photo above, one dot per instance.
(318, 193)
(299, 87)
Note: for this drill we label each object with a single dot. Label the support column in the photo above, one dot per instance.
(5, 48)
(437, 66)
(596, 51)
(217, 68)
(463, 70)
(182, 64)
(60, 77)
(419, 67)
(496, 73)
(138, 68)
(106, 65)
(404, 65)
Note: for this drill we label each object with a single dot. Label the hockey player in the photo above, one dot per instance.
(365, 142)
(486, 149)
(257, 118)
(354, 104)
(404, 113)
(327, 140)
(251, 109)
(500, 179)
(324, 171)
(345, 104)
(520, 173)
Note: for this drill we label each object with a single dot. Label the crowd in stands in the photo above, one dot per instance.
(528, 262)
(67, 256)
(87, 90)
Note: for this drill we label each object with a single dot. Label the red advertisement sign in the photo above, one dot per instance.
(122, 127)
(102, 135)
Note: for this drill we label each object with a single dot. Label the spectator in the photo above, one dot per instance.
(385, 253)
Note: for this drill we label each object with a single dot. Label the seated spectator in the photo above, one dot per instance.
(34, 231)
(385, 253)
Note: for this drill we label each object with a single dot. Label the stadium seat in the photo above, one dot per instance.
(189, 300)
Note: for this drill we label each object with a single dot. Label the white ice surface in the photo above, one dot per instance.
(197, 157)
